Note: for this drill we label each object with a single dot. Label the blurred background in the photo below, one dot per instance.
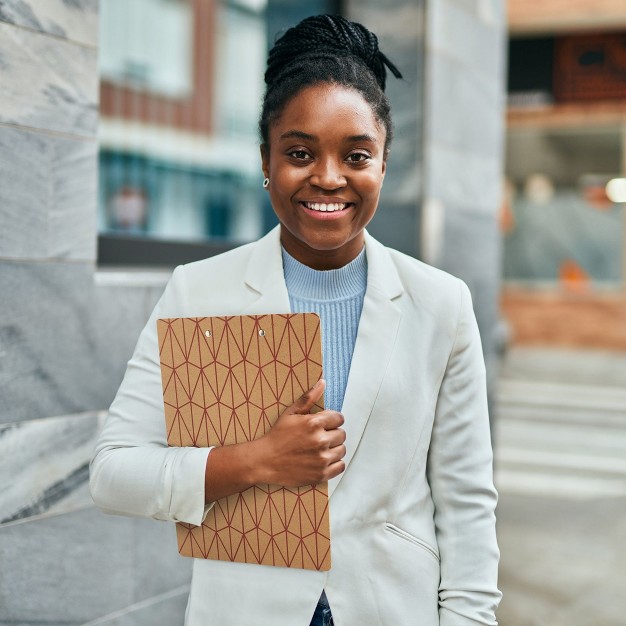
(128, 145)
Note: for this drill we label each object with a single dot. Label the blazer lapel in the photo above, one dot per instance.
(375, 341)
(265, 277)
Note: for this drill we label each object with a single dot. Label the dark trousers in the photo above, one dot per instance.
(322, 616)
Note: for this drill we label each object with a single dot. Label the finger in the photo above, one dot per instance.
(336, 454)
(304, 404)
(330, 419)
(334, 469)
(336, 437)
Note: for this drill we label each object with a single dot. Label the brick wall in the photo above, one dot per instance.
(562, 318)
(527, 16)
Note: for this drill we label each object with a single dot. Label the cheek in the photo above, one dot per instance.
(279, 170)
(288, 181)
(374, 183)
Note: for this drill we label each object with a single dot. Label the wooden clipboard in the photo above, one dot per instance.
(226, 380)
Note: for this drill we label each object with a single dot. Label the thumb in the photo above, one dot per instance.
(304, 404)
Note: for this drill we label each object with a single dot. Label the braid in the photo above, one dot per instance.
(326, 48)
(330, 34)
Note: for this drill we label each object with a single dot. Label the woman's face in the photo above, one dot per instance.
(326, 164)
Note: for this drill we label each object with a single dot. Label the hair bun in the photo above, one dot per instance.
(324, 35)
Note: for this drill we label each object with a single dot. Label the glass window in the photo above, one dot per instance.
(158, 58)
(181, 86)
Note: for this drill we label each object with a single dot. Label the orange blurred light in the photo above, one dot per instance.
(572, 276)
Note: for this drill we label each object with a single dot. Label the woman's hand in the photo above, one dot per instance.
(303, 448)
(300, 449)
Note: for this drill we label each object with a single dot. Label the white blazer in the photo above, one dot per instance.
(412, 517)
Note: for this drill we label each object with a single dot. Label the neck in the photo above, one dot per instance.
(322, 259)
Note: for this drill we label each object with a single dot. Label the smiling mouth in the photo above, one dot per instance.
(329, 207)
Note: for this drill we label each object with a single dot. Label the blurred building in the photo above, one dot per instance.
(564, 216)
(180, 87)
(128, 145)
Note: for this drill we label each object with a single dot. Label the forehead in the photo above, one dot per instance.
(327, 110)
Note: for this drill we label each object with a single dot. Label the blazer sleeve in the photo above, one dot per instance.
(133, 471)
(460, 471)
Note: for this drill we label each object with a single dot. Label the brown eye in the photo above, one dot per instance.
(301, 155)
(358, 157)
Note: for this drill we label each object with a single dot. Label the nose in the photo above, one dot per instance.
(328, 175)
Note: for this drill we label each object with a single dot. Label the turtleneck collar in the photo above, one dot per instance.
(305, 282)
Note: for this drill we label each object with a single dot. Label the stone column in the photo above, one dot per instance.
(463, 150)
(66, 332)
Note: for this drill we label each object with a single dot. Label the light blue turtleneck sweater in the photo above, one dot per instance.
(337, 297)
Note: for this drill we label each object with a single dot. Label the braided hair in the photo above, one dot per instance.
(326, 49)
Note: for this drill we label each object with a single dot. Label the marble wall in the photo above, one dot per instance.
(66, 332)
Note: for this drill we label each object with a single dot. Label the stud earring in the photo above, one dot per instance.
(266, 182)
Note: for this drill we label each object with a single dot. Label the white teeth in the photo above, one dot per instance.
(318, 206)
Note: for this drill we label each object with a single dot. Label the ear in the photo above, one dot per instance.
(384, 164)
(265, 159)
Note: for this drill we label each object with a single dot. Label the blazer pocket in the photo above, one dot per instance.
(398, 532)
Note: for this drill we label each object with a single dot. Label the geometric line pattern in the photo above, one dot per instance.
(226, 380)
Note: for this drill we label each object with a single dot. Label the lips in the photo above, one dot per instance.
(326, 207)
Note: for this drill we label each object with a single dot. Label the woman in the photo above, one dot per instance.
(408, 458)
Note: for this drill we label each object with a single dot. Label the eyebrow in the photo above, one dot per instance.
(298, 134)
(362, 138)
